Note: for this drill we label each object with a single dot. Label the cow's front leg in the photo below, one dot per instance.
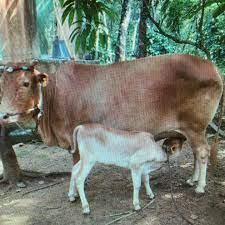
(195, 176)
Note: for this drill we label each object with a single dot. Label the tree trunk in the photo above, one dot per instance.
(18, 30)
(133, 49)
(143, 40)
(120, 52)
(109, 47)
(97, 45)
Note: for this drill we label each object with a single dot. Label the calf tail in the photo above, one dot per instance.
(75, 141)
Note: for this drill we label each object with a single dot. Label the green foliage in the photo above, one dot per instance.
(174, 13)
(86, 19)
(179, 18)
(45, 25)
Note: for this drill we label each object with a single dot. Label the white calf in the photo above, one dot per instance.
(134, 150)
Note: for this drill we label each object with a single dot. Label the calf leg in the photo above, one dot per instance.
(148, 189)
(201, 149)
(85, 168)
(73, 189)
(136, 178)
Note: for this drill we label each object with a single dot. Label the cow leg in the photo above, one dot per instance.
(201, 151)
(73, 189)
(195, 175)
(76, 157)
(136, 178)
(80, 179)
(148, 189)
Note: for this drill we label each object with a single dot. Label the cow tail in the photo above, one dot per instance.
(75, 141)
(214, 148)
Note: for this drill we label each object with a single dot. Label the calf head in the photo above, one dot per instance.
(173, 146)
(19, 92)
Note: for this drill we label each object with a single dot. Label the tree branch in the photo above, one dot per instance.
(201, 20)
(179, 40)
(218, 11)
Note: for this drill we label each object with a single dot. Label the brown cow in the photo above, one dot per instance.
(154, 94)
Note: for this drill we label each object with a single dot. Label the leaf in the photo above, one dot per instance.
(103, 39)
(74, 31)
(68, 2)
(66, 13)
(219, 10)
(61, 2)
(75, 35)
(71, 17)
(92, 39)
(77, 43)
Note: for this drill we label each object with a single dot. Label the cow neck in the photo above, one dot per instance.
(48, 96)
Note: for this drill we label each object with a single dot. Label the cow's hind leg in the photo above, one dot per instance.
(201, 151)
(195, 175)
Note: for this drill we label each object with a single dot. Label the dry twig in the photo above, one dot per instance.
(41, 188)
(127, 214)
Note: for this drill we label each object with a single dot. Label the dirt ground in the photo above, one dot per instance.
(109, 191)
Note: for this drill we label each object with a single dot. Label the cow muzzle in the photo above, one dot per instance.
(7, 118)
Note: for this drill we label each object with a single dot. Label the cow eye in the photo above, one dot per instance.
(26, 84)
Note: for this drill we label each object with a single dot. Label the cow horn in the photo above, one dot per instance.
(34, 62)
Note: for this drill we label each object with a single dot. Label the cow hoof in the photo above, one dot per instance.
(200, 190)
(86, 210)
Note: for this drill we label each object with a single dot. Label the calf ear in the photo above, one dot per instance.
(43, 79)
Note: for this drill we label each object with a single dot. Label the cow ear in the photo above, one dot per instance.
(43, 79)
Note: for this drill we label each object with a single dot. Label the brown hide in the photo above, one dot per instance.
(155, 94)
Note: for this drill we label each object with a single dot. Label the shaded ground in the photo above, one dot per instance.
(109, 192)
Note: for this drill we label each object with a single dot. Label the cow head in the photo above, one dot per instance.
(20, 87)
(173, 146)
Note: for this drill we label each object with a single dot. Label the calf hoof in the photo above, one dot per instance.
(151, 196)
(21, 184)
(190, 182)
(72, 197)
(137, 207)
(200, 190)
(86, 210)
